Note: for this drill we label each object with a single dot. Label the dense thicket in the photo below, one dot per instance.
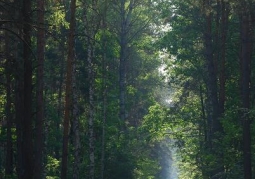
(112, 89)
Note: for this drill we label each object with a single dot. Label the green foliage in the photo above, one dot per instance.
(52, 168)
(57, 19)
(154, 122)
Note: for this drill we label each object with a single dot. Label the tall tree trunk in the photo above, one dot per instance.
(60, 102)
(125, 15)
(9, 145)
(212, 78)
(39, 125)
(27, 142)
(92, 24)
(222, 75)
(19, 107)
(246, 56)
(214, 125)
(68, 97)
(77, 144)
(19, 118)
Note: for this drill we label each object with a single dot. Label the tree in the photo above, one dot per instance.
(27, 140)
(39, 142)
(8, 108)
(68, 91)
(246, 31)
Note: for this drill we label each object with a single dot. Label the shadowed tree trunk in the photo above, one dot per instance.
(125, 15)
(39, 124)
(27, 141)
(68, 97)
(92, 24)
(77, 144)
(9, 145)
(19, 99)
(222, 56)
(246, 56)
(214, 126)
(211, 78)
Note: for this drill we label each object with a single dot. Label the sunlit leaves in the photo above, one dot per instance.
(57, 19)
(52, 168)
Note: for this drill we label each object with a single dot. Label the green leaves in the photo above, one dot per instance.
(52, 168)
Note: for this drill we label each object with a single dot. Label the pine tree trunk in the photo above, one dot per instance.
(68, 97)
(27, 141)
(246, 55)
(39, 125)
(77, 144)
(214, 126)
(9, 145)
(60, 102)
(222, 76)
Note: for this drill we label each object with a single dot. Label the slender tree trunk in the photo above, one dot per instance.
(19, 105)
(60, 100)
(9, 145)
(77, 144)
(214, 126)
(39, 125)
(246, 55)
(68, 97)
(212, 76)
(27, 142)
(19, 95)
(90, 30)
(125, 14)
(222, 76)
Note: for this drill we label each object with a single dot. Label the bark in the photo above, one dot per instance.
(246, 56)
(68, 95)
(39, 125)
(124, 35)
(214, 126)
(212, 76)
(77, 144)
(222, 76)
(90, 30)
(19, 92)
(27, 142)
(60, 101)
(9, 145)
(19, 106)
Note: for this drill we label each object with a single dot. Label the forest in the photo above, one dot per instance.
(127, 89)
